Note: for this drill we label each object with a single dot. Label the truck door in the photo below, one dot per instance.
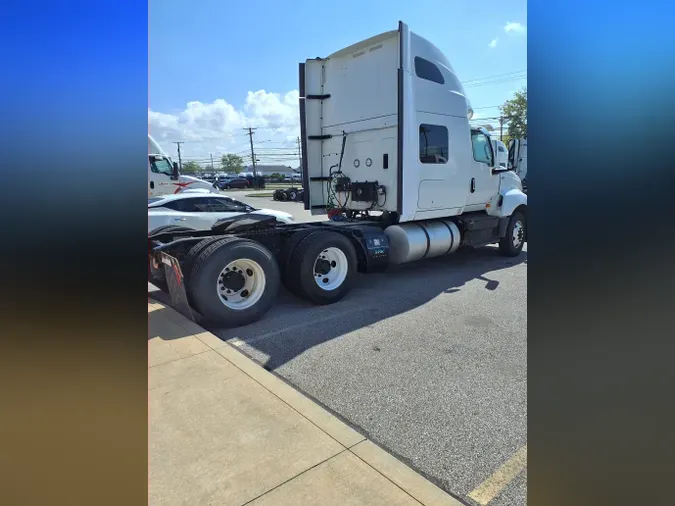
(483, 184)
(522, 159)
(159, 175)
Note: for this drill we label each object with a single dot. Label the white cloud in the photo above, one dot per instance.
(493, 43)
(515, 28)
(217, 127)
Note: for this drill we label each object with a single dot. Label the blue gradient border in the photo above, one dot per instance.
(601, 78)
(78, 90)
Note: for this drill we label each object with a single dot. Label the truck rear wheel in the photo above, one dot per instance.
(233, 281)
(322, 267)
(293, 195)
(512, 243)
(191, 256)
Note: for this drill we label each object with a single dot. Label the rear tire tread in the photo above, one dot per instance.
(219, 312)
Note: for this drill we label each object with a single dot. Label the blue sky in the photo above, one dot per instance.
(218, 65)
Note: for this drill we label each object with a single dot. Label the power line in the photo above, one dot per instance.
(477, 85)
(468, 81)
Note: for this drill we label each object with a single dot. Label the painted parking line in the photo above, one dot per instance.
(489, 489)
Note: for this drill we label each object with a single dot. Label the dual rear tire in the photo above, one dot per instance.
(234, 281)
(322, 267)
(231, 281)
(291, 195)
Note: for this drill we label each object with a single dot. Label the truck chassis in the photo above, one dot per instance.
(232, 273)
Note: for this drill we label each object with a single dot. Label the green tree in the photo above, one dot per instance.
(514, 112)
(191, 168)
(231, 163)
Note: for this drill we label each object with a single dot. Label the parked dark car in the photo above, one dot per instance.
(227, 183)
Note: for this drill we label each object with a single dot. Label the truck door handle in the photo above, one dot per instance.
(473, 184)
(152, 185)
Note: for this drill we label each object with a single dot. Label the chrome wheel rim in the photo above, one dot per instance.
(518, 234)
(330, 268)
(241, 284)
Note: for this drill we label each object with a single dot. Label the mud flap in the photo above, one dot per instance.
(174, 280)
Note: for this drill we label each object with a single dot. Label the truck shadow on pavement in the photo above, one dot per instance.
(162, 325)
(293, 326)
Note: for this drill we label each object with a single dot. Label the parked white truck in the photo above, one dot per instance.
(389, 154)
(164, 176)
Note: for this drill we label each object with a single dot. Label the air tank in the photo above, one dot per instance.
(422, 239)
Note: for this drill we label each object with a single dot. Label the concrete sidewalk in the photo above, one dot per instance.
(224, 431)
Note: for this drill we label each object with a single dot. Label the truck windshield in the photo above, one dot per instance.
(160, 165)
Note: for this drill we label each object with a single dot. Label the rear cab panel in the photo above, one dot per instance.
(371, 92)
(361, 82)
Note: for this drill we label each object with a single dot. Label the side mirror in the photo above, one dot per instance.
(175, 173)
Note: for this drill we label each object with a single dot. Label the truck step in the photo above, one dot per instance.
(477, 221)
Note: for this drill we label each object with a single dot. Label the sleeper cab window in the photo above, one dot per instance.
(433, 144)
(425, 69)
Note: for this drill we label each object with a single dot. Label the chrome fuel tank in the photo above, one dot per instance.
(422, 239)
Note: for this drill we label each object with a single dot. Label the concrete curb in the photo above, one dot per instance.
(415, 485)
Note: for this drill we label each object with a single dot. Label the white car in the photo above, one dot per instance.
(200, 211)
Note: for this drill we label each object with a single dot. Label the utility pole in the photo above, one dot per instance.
(180, 162)
(255, 175)
(213, 168)
(501, 128)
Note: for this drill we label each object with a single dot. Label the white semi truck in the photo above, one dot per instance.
(389, 154)
(164, 176)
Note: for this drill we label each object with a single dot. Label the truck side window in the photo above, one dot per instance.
(160, 165)
(427, 70)
(433, 144)
(482, 150)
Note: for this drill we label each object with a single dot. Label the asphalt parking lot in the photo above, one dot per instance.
(429, 360)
